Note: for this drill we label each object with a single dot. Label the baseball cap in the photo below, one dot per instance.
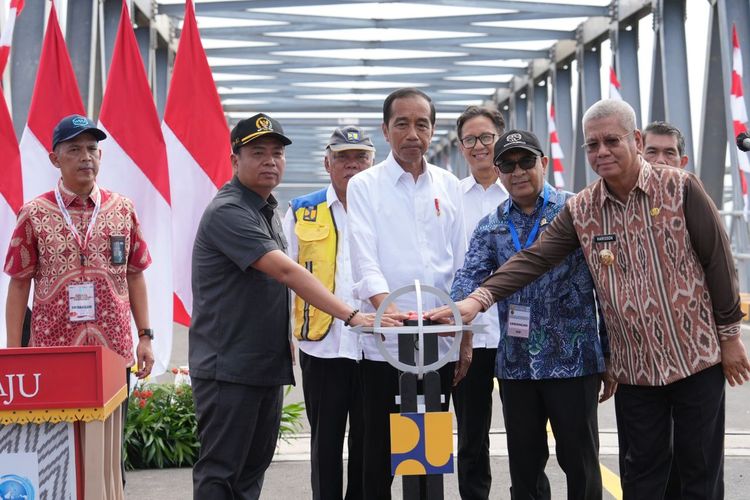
(514, 139)
(255, 127)
(350, 137)
(72, 126)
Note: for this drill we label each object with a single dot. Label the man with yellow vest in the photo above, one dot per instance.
(315, 227)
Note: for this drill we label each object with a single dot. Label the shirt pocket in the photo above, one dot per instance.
(310, 237)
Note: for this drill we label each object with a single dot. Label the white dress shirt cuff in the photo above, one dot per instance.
(369, 287)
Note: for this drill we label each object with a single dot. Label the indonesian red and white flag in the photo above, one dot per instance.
(134, 164)
(614, 85)
(55, 96)
(198, 149)
(6, 38)
(11, 197)
(739, 116)
(555, 149)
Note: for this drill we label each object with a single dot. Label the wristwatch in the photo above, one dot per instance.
(148, 332)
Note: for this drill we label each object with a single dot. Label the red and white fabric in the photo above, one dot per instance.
(556, 151)
(55, 96)
(11, 182)
(6, 37)
(739, 116)
(134, 164)
(198, 148)
(614, 85)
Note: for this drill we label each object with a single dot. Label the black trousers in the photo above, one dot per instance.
(238, 426)
(472, 400)
(571, 407)
(685, 418)
(379, 388)
(673, 484)
(332, 394)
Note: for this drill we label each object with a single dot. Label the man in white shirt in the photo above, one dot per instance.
(316, 228)
(478, 129)
(406, 223)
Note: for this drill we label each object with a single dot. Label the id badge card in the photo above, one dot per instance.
(117, 250)
(81, 303)
(519, 321)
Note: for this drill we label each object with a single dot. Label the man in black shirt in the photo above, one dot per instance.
(240, 355)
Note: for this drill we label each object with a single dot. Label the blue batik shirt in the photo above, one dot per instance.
(565, 338)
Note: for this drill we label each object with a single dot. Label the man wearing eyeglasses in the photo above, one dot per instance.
(663, 268)
(551, 350)
(478, 128)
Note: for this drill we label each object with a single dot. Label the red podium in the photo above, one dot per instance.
(61, 422)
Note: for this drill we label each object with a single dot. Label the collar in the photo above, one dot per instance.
(331, 196)
(69, 196)
(469, 183)
(539, 199)
(254, 198)
(394, 171)
(643, 183)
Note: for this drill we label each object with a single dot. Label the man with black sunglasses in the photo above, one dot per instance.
(551, 353)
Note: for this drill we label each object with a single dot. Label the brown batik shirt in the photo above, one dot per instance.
(663, 271)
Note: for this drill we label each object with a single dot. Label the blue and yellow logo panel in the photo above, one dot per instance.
(421, 443)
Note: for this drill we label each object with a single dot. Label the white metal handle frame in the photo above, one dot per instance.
(420, 369)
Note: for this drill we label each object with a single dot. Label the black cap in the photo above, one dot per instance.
(255, 127)
(350, 137)
(515, 139)
(72, 126)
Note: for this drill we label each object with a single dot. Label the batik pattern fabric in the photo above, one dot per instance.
(655, 296)
(44, 249)
(566, 339)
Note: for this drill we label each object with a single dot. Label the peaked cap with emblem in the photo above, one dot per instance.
(255, 127)
(72, 126)
(517, 139)
(350, 137)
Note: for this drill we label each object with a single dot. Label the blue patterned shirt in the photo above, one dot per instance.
(564, 340)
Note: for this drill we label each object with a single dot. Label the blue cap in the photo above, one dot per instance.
(72, 126)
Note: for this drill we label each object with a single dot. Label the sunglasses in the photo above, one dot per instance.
(509, 166)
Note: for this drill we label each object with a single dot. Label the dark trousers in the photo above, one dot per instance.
(472, 400)
(332, 393)
(673, 484)
(379, 388)
(570, 405)
(686, 417)
(238, 426)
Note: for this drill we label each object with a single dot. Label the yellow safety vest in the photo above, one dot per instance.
(316, 233)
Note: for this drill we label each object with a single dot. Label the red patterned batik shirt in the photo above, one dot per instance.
(44, 248)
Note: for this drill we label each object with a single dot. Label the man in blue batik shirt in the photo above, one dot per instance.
(551, 353)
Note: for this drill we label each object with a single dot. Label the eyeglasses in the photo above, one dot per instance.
(610, 142)
(509, 166)
(471, 140)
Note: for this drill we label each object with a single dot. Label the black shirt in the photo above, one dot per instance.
(240, 324)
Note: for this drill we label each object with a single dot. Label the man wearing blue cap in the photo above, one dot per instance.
(83, 247)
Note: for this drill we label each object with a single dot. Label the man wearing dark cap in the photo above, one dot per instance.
(83, 247)
(551, 351)
(316, 228)
(240, 356)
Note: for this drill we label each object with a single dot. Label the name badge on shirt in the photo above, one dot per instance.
(519, 321)
(81, 304)
(117, 250)
(605, 238)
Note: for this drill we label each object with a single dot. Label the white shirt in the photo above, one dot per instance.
(340, 341)
(401, 230)
(479, 202)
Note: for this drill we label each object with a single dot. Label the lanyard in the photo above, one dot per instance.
(66, 215)
(534, 230)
